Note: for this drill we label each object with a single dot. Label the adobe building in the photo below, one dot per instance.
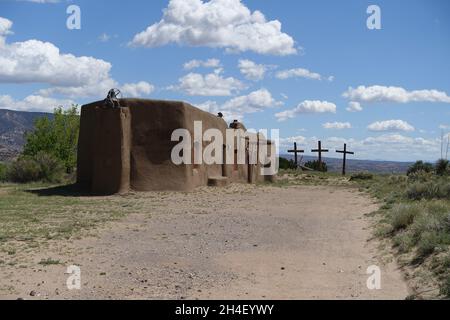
(129, 148)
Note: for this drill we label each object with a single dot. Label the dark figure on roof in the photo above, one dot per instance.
(112, 99)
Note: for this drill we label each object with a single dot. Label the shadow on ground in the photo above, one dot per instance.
(71, 190)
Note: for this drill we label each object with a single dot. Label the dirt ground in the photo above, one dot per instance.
(237, 242)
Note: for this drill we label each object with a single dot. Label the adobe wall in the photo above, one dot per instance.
(130, 148)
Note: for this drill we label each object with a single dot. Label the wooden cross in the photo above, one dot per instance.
(296, 151)
(345, 152)
(320, 150)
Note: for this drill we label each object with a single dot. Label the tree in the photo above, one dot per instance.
(57, 137)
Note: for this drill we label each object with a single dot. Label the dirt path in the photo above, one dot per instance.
(239, 242)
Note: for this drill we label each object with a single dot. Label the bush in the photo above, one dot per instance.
(403, 215)
(361, 176)
(420, 166)
(42, 167)
(421, 176)
(3, 172)
(24, 170)
(429, 190)
(445, 288)
(316, 166)
(442, 167)
(286, 164)
(428, 242)
(51, 168)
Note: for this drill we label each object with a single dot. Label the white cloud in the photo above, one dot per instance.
(225, 24)
(236, 108)
(394, 94)
(33, 103)
(390, 125)
(41, 62)
(34, 61)
(307, 106)
(300, 73)
(337, 125)
(137, 89)
(251, 70)
(210, 63)
(354, 106)
(212, 84)
(5, 29)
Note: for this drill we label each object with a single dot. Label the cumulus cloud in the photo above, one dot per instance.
(138, 89)
(394, 94)
(225, 24)
(252, 70)
(300, 73)
(390, 125)
(337, 125)
(210, 63)
(34, 61)
(307, 106)
(33, 103)
(212, 84)
(236, 108)
(354, 106)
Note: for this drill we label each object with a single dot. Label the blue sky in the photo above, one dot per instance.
(291, 65)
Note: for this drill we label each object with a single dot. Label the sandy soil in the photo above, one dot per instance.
(238, 242)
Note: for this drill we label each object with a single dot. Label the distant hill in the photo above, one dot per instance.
(335, 165)
(13, 125)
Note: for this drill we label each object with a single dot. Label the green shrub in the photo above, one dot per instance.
(3, 172)
(42, 167)
(420, 176)
(427, 243)
(420, 166)
(442, 167)
(315, 165)
(397, 179)
(402, 215)
(404, 241)
(361, 176)
(429, 190)
(24, 170)
(286, 164)
(445, 287)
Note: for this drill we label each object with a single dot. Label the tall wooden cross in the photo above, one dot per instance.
(296, 151)
(345, 152)
(320, 150)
